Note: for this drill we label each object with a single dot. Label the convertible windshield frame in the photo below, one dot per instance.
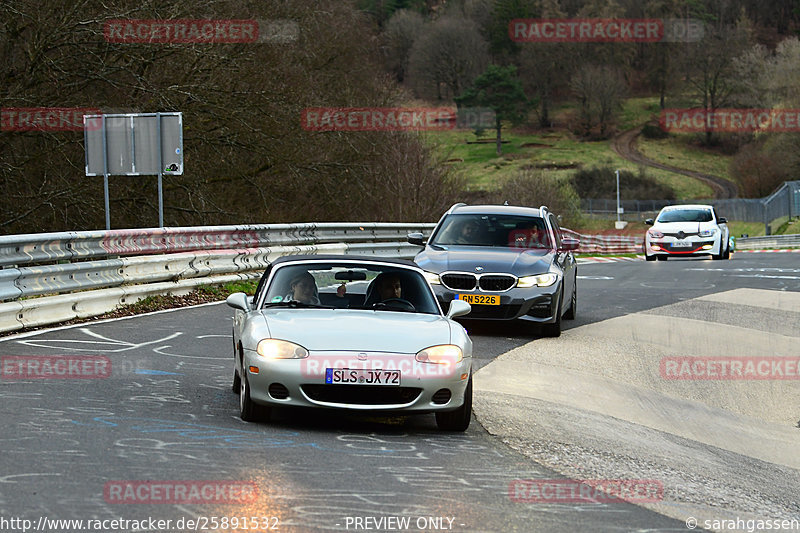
(277, 292)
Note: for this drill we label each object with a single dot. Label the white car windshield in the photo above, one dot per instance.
(686, 215)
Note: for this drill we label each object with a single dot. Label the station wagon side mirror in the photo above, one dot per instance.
(416, 238)
(569, 244)
(238, 300)
(649, 221)
(458, 308)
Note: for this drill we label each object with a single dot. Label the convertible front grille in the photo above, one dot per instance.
(361, 394)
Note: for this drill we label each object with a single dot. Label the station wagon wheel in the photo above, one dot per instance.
(573, 304)
(459, 419)
(554, 329)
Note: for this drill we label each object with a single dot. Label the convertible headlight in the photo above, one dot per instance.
(542, 280)
(278, 349)
(441, 354)
(708, 232)
(432, 278)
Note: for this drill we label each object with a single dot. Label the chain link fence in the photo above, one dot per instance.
(782, 204)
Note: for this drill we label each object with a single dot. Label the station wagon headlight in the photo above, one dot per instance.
(708, 232)
(441, 354)
(432, 278)
(278, 349)
(542, 280)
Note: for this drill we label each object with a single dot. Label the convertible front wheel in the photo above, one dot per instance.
(249, 411)
(459, 419)
(237, 382)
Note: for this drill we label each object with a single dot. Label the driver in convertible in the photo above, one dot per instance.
(303, 289)
(390, 287)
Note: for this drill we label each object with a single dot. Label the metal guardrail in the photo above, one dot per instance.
(123, 266)
(768, 242)
(119, 267)
(73, 246)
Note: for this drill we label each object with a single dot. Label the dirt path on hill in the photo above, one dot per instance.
(625, 145)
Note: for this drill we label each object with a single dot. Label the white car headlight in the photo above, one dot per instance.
(655, 234)
(542, 280)
(432, 278)
(278, 349)
(447, 354)
(708, 232)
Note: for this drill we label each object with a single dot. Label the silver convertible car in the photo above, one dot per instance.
(348, 332)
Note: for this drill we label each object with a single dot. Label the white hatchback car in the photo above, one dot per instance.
(685, 231)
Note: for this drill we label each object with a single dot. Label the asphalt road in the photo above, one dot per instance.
(166, 412)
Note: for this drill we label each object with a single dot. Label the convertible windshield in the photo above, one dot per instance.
(686, 215)
(370, 286)
(505, 231)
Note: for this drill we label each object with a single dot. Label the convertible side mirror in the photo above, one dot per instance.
(238, 300)
(458, 308)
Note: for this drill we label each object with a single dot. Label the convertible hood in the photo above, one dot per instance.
(466, 258)
(357, 330)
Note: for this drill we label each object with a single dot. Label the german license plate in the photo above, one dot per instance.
(479, 299)
(682, 244)
(361, 376)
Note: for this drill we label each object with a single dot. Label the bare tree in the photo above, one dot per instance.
(447, 57)
(709, 66)
(599, 90)
(248, 158)
(398, 36)
(544, 68)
